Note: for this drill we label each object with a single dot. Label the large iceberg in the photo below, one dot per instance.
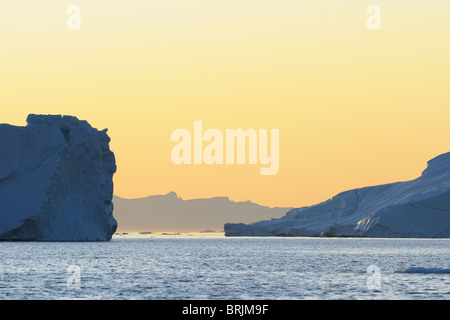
(56, 181)
(413, 209)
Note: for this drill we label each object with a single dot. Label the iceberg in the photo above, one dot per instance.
(423, 270)
(56, 181)
(419, 208)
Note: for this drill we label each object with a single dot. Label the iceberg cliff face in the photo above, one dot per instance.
(413, 209)
(56, 181)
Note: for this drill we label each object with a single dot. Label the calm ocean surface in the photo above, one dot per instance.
(172, 267)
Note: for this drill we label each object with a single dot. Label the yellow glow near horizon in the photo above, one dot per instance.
(355, 107)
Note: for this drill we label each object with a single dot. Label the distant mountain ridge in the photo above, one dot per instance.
(170, 213)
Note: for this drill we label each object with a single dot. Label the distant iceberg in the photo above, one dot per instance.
(413, 209)
(424, 270)
(56, 181)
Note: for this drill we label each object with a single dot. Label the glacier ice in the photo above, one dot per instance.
(423, 270)
(56, 181)
(419, 208)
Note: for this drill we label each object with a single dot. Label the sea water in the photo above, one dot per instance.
(173, 267)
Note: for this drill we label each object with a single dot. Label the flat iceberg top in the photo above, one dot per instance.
(416, 208)
(434, 181)
(55, 180)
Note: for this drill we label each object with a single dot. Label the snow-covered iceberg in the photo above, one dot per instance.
(56, 181)
(418, 208)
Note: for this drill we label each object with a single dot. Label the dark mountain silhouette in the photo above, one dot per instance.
(171, 213)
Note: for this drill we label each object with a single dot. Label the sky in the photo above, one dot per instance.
(354, 107)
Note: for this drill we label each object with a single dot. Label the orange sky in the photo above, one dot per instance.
(354, 107)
